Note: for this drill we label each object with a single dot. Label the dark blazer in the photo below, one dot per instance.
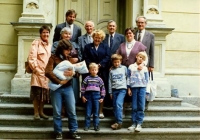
(117, 40)
(76, 32)
(100, 56)
(148, 41)
(82, 41)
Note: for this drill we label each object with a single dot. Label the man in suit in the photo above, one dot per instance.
(113, 39)
(76, 30)
(86, 38)
(147, 39)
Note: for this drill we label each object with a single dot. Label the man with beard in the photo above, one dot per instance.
(75, 30)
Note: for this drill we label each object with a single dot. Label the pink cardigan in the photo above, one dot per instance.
(138, 47)
(38, 58)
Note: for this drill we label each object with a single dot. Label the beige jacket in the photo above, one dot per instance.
(38, 58)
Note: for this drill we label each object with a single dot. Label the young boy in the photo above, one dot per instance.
(137, 82)
(92, 93)
(117, 88)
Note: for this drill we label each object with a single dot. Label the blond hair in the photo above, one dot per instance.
(143, 54)
(99, 33)
(116, 57)
(93, 65)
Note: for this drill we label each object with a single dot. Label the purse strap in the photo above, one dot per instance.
(151, 75)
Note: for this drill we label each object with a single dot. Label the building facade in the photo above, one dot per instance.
(176, 25)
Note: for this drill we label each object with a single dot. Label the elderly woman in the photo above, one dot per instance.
(99, 53)
(65, 92)
(38, 58)
(76, 57)
(128, 50)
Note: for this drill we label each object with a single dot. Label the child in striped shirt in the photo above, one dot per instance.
(92, 93)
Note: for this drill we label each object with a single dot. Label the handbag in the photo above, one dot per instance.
(27, 67)
(151, 88)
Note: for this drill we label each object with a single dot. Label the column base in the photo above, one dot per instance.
(163, 87)
(20, 86)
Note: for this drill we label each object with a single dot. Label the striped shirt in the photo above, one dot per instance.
(91, 83)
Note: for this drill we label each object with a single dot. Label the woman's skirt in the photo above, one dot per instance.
(39, 93)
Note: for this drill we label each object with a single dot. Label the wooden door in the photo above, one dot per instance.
(99, 11)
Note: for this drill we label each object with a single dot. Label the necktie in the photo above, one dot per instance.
(90, 39)
(139, 36)
(111, 41)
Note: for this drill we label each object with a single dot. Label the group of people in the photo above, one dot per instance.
(118, 72)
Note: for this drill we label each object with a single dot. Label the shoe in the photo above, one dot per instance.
(132, 127)
(86, 129)
(96, 128)
(74, 135)
(59, 136)
(138, 128)
(101, 116)
(44, 116)
(116, 126)
(36, 117)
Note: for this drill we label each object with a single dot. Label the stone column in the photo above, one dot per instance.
(35, 14)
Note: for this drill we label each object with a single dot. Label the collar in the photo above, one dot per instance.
(112, 34)
(117, 67)
(67, 25)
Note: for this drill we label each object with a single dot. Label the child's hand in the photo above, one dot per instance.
(84, 99)
(101, 100)
(111, 96)
(140, 67)
(129, 92)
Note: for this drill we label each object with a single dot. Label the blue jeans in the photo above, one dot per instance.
(118, 100)
(57, 97)
(138, 104)
(92, 107)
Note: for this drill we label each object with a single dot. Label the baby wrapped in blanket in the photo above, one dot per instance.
(66, 65)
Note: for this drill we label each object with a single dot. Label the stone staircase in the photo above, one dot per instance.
(166, 118)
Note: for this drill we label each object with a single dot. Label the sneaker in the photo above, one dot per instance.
(96, 128)
(138, 128)
(132, 127)
(86, 129)
(116, 126)
(59, 136)
(74, 135)
(101, 116)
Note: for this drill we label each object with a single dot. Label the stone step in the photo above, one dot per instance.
(184, 110)
(104, 133)
(149, 121)
(9, 98)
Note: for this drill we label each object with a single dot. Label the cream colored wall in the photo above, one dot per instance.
(10, 11)
(183, 45)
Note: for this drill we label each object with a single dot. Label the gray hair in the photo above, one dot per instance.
(89, 21)
(65, 29)
(145, 19)
(111, 21)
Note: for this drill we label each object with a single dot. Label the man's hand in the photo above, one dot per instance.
(111, 96)
(150, 69)
(84, 99)
(129, 92)
(101, 100)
